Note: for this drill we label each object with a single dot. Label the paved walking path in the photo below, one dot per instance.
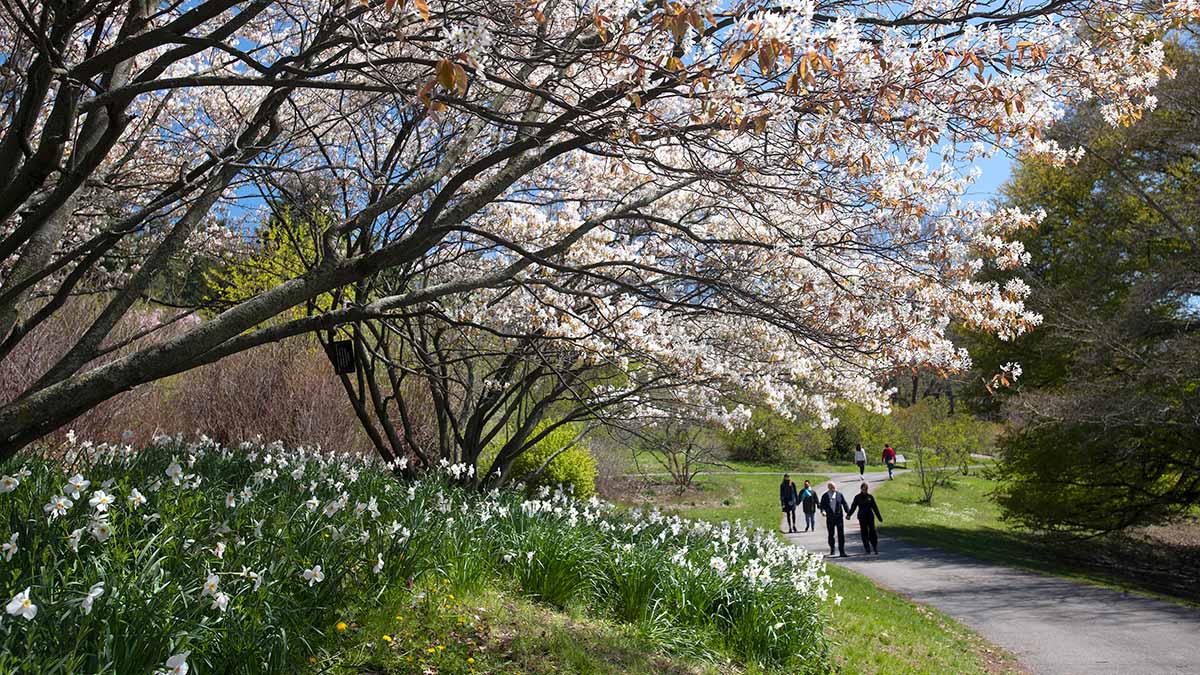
(1054, 626)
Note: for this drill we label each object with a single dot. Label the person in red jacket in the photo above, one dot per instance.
(889, 458)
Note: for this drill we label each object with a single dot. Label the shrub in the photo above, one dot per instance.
(773, 439)
(856, 425)
(574, 468)
(223, 400)
(843, 441)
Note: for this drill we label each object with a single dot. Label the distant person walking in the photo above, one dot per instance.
(889, 458)
(868, 511)
(788, 499)
(833, 505)
(808, 504)
(860, 458)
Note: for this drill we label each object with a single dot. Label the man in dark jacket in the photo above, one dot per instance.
(808, 502)
(868, 511)
(833, 505)
(788, 499)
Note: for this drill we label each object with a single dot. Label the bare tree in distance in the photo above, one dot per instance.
(678, 447)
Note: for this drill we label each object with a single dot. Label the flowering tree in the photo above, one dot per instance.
(763, 192)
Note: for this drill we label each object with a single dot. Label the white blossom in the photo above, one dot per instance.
(90, 597)
(58, 506)
(10, 547)
(313, 575)
(22, 605)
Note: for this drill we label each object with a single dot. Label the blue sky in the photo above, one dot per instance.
(994, 172)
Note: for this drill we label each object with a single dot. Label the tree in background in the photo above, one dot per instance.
(286, 246)
(856, 424)
(938, 443)
(1106, 422)
(680, 447)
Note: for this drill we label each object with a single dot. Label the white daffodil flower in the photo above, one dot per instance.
(76, 485)
(58, 506)
(211, 585)
(100, 530)
(101, 500)
(314, 575)
(10, 547)
(177, 664)
(94, 592)
(22, 605)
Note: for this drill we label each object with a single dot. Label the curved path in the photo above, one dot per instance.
(1054, 626)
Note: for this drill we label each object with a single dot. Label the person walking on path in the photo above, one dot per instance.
(868, 511)
(860, 458)
(889, 458)
(788, 499)
(808, 504)
(833, 505)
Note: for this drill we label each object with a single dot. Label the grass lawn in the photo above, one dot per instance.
(874, 631)
(962, 518)
(813, 469)
(494, 632)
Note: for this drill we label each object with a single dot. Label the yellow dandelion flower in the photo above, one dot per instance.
(387, 638)
(341, 626)
(470, 659)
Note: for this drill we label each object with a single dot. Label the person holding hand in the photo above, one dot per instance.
(868, 511)
(833, 505)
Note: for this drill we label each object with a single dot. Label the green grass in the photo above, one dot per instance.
(813, 469)
(873, 631)
(496, 632)
(962, 518)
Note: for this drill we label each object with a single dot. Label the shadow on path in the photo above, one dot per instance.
(1054, 626)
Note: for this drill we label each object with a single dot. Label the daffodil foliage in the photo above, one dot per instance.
(190, 556)
(766, 192)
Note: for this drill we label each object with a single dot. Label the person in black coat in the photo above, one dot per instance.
(833, 505)
(788, 499)
(868, 511)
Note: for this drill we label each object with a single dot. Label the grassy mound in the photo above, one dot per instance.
(251, 560)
